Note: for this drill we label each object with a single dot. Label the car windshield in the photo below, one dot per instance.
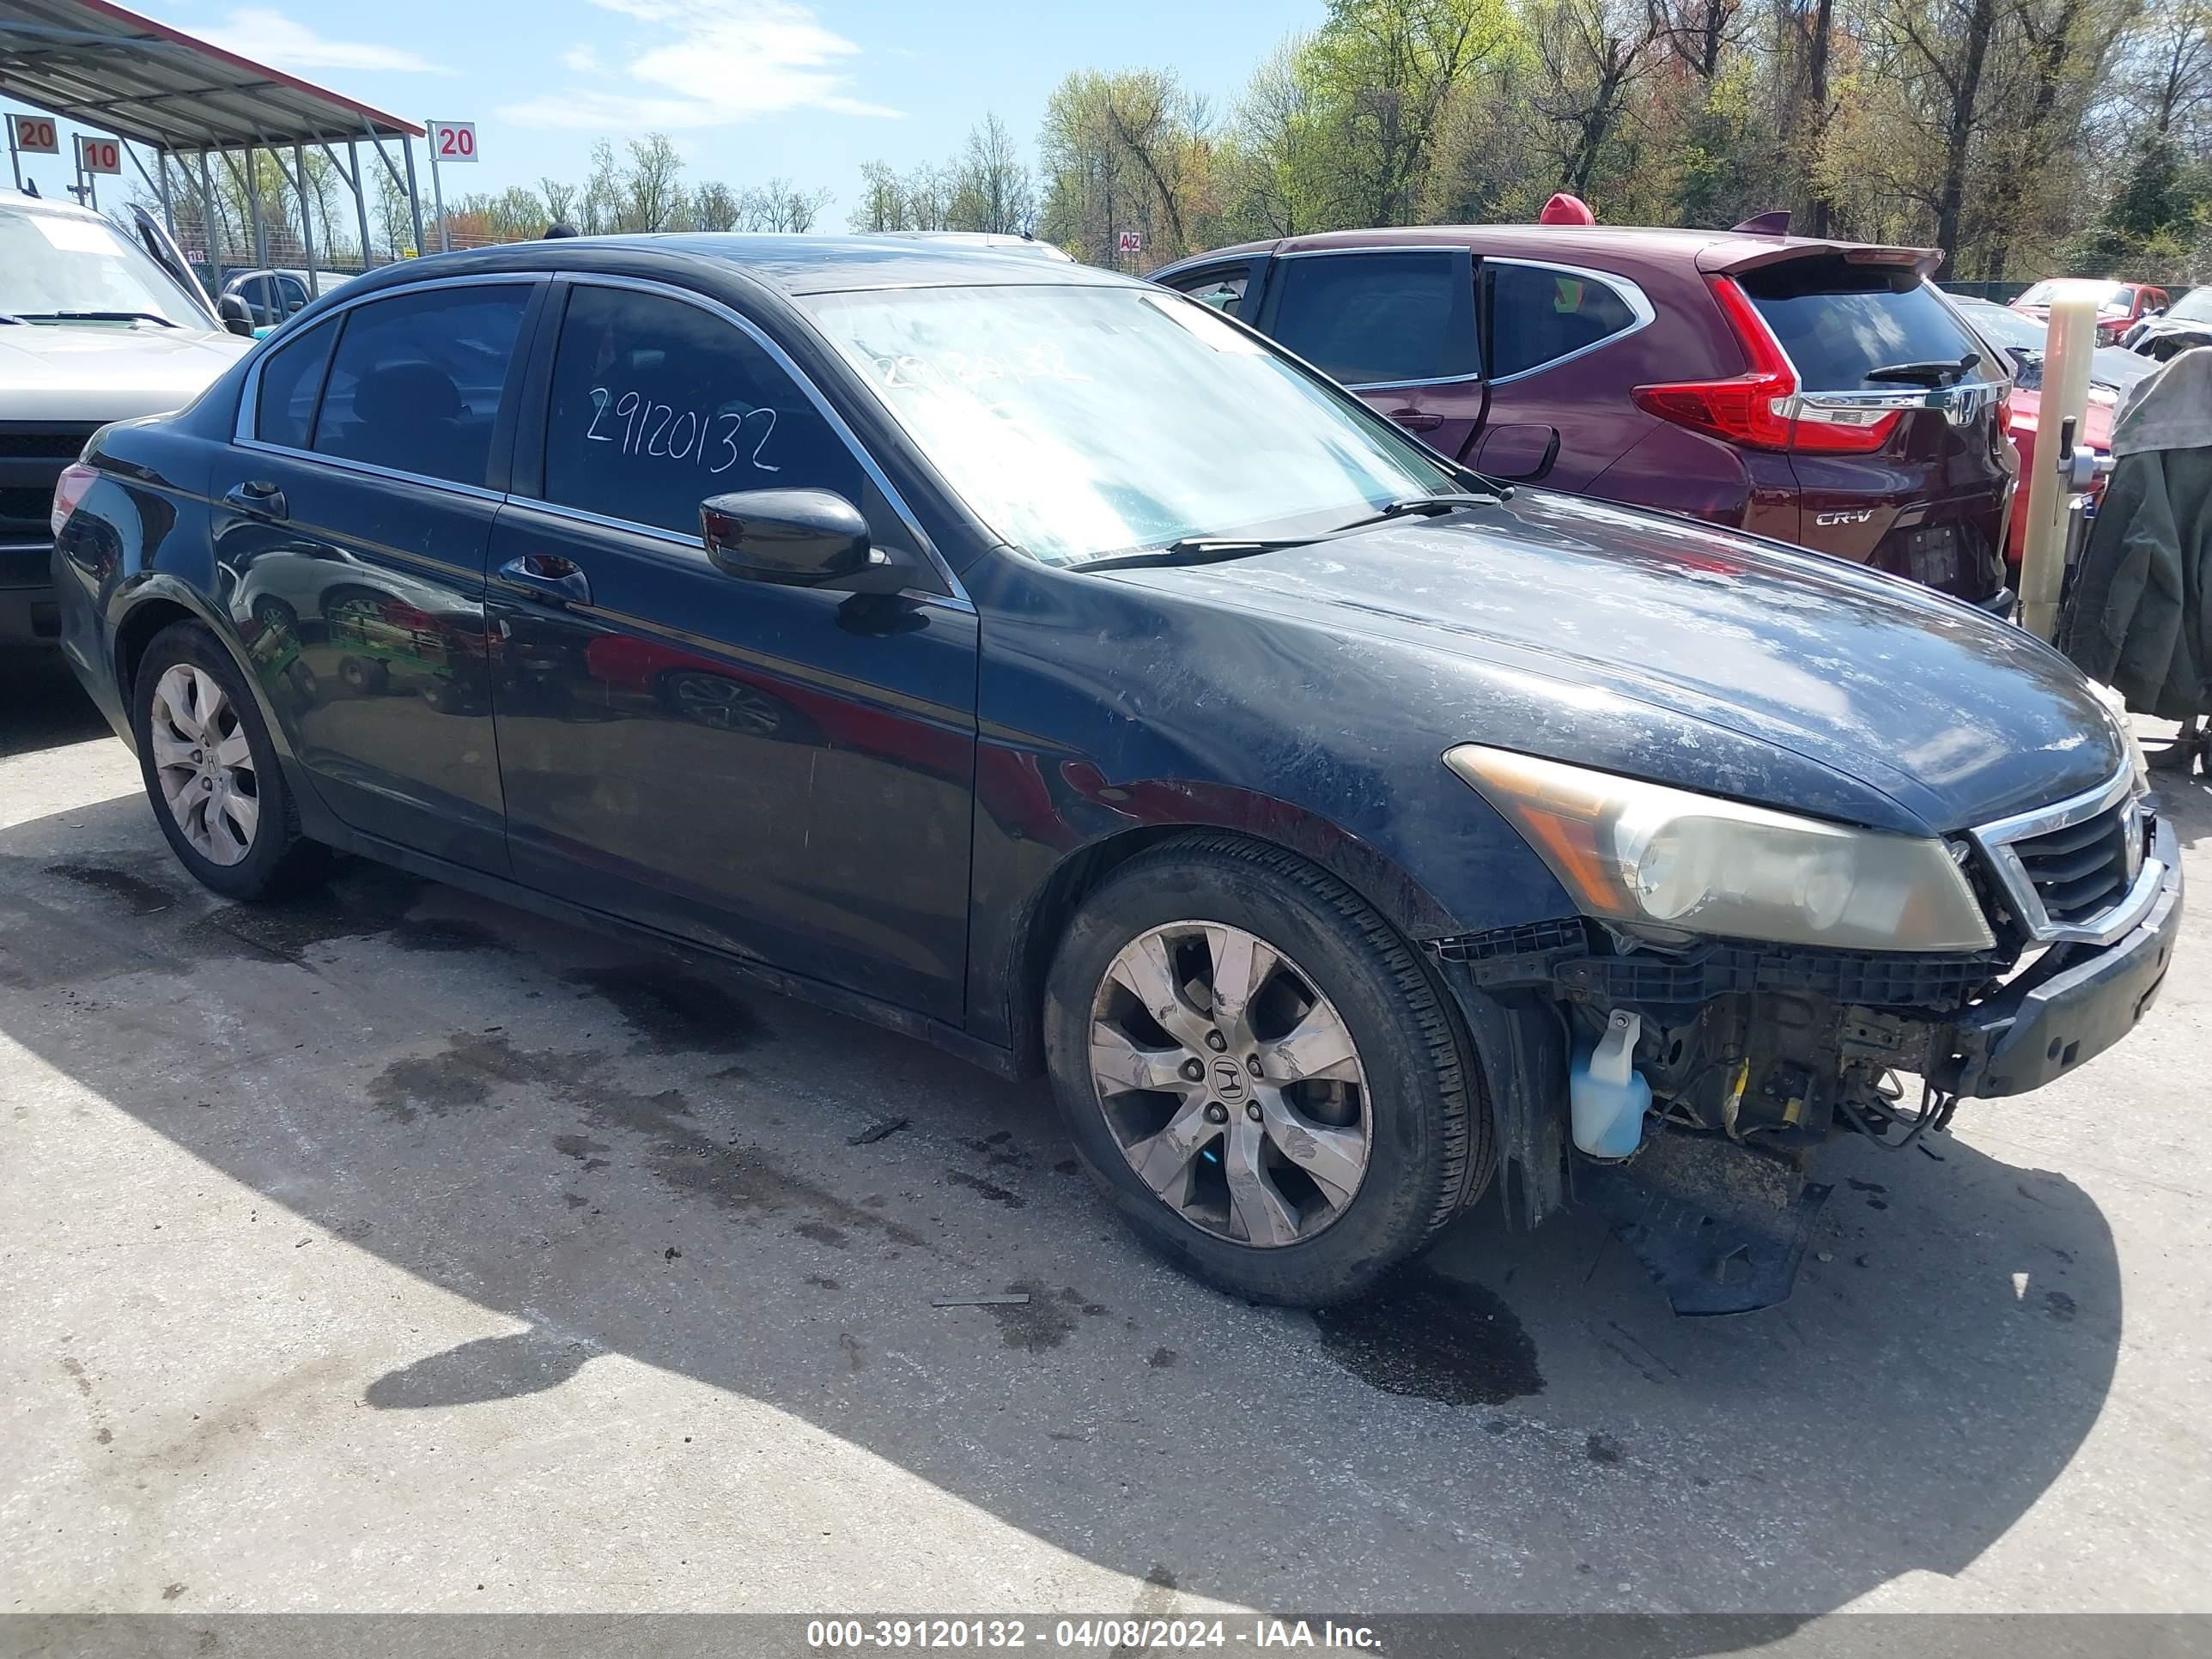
(1082, 421)
(2108, 296)
(2002, 325)
(2194, 306)
(55, 263)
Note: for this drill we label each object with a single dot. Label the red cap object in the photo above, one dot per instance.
(1565, 209)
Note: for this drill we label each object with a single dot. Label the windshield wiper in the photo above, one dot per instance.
(10, 317)
(1198, 549)
(1927, 374)
(96, 317)
(1450, 501)
(1213, 549)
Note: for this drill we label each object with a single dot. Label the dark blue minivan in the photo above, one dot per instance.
(1044, 664)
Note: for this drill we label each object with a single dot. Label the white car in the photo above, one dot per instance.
(94, 328)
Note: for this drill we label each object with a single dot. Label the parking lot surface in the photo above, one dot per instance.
(396, 1250)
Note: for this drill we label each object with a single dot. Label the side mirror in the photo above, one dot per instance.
(797, 539)
(235, 316)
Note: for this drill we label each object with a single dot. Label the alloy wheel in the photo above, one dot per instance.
(1230, 1083)
(205, 764)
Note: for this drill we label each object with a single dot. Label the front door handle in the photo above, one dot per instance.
(550, 577)
(1417, 419)
(256, 498)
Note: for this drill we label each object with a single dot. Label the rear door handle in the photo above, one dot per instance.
(256, 498)
(548, 577)
(1417, 419)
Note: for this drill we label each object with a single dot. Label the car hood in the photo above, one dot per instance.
(101, 371)
(1666, 649)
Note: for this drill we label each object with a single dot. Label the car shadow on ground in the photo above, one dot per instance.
(41, 705)
(631, 1157)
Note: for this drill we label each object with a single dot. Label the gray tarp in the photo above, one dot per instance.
(2136, 617)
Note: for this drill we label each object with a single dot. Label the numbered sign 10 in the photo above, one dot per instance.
(453, 141)
(35, 135)
(98, 155)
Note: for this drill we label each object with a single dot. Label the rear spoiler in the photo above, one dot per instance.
(1739, 253)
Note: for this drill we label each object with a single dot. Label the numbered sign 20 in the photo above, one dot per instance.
(453, 141)
(35, 136)
(98, 155)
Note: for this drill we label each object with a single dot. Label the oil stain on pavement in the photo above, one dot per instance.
(1421, 1334)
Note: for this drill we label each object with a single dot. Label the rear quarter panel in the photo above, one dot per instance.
(139, 534)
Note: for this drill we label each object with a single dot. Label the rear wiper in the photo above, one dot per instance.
(97, 317)
(1927, 374)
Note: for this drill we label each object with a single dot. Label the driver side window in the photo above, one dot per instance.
(657, 405)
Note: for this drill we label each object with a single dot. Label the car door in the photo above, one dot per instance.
(779, 771)
(1396, 325)
(291, 295)
(1559, 412)
(351, 519)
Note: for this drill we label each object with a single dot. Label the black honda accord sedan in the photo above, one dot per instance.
(1041, 663)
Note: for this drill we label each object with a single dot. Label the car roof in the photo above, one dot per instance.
(1734, 248)
(793, 265)
(16, 198)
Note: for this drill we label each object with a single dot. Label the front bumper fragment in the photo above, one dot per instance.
(2073, 1005)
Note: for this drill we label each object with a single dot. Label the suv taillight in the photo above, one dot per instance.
(69, 489)
(1760, 407)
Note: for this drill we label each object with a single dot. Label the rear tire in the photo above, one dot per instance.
(212, 773)
(1338, 1124)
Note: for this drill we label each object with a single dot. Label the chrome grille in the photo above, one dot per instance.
(32, 456)
(2079, 871)
(2075, 871)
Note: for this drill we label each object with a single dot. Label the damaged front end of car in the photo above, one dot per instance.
(1682, 1082)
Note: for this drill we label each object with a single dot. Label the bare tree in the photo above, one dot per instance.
(715, 206)
(560, 199)
(991, 189)
(653, 192)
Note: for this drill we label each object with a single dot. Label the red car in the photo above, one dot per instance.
(2120, 306)
(1816, 391)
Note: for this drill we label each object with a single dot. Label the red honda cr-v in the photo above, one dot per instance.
(1819, 392)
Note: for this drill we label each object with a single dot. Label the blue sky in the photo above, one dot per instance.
(748, 89)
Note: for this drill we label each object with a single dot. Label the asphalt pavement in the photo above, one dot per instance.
(395, 1250)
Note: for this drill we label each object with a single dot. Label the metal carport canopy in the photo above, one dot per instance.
(104, 67)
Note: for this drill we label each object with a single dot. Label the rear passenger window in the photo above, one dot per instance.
(1222, 289)
(417, 381)
(1539, 314)
(1379, 319)
(291, 380)
(658, 404)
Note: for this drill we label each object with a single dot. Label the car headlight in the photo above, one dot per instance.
(1644, 853)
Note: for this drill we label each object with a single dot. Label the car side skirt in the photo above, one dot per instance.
(998, 1061)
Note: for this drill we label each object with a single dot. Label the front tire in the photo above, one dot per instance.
(212, 773)
(1262, 1075)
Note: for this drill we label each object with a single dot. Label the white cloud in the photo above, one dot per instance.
(718, 62)
(270, 37)
(583, 59)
